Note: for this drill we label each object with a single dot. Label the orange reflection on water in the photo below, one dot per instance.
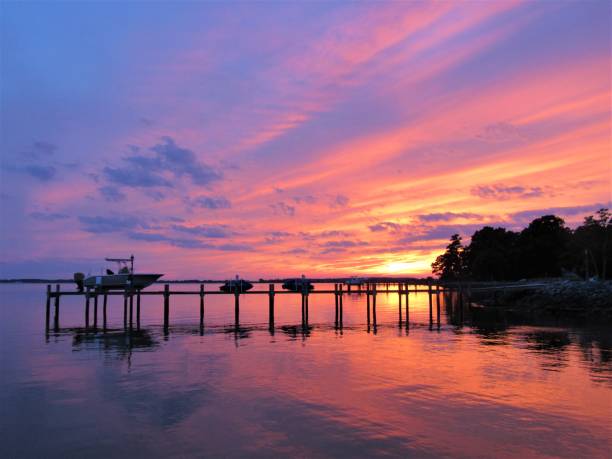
(479, 390)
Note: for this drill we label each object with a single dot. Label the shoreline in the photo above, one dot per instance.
(568, 299)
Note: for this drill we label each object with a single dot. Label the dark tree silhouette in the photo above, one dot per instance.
(449, 265)
(492, 254)
(543, 247)
(592, 245)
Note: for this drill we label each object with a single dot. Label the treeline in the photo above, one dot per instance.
(546, 248)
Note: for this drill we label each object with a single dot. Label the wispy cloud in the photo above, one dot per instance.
(187, 243)
(211, 202)
(385, 226)
(306, 199)
(169, 161)
(49, 216)
(281, 208)
(110, 224)
(526, 216)
(138, 176)
(442, 232)
(41, 150)
(40, 172)
(500, 191)
(111, 194)
(446, 216)
(345, 244)
(208, 231)
(339, 200)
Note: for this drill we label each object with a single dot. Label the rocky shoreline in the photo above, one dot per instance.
(588, 300)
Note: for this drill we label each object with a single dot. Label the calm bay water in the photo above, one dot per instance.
(470, 391)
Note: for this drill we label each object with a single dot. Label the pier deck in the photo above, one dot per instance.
(371, 290)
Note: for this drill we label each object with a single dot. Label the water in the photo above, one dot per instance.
(470, 391)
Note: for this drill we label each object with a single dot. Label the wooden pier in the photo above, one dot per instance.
(131, 308)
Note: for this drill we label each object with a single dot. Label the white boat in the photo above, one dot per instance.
(125, 278)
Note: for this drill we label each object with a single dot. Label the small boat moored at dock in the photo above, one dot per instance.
(125, 278)
(298, 285)
(236, 285)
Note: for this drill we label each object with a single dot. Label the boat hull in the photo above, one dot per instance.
(121, 281)
(297, 285)
(236, 286)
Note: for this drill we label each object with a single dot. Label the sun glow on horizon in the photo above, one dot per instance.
(406, 267)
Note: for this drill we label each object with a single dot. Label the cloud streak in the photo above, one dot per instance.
(506, 192)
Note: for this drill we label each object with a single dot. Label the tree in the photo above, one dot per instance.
(592, 244)
(449, 265)
(492, 255)
(543, 247)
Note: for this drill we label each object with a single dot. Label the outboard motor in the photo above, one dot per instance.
(78, 279)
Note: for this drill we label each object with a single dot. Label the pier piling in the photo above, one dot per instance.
(48, 307)
(104, 310)
(201, 306)
(237, 308)
(131, 309)
(125, 309)
(138, 309)
(399, 298)
(374, 306)
(87, 295)
(407, 292)
(271, 307)
(336, 301)
(166, 306)
(56, 307)
(95, 321)
(341, 306)
(368, 304)
(429, 293)
(304, 295)
(438, 305)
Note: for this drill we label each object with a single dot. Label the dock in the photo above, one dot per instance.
(95, 300)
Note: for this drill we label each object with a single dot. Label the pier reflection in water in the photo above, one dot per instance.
(478, 390)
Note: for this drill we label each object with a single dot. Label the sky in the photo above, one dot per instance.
(277, 138)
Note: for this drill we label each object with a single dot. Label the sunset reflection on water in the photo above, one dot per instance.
(480, 390)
